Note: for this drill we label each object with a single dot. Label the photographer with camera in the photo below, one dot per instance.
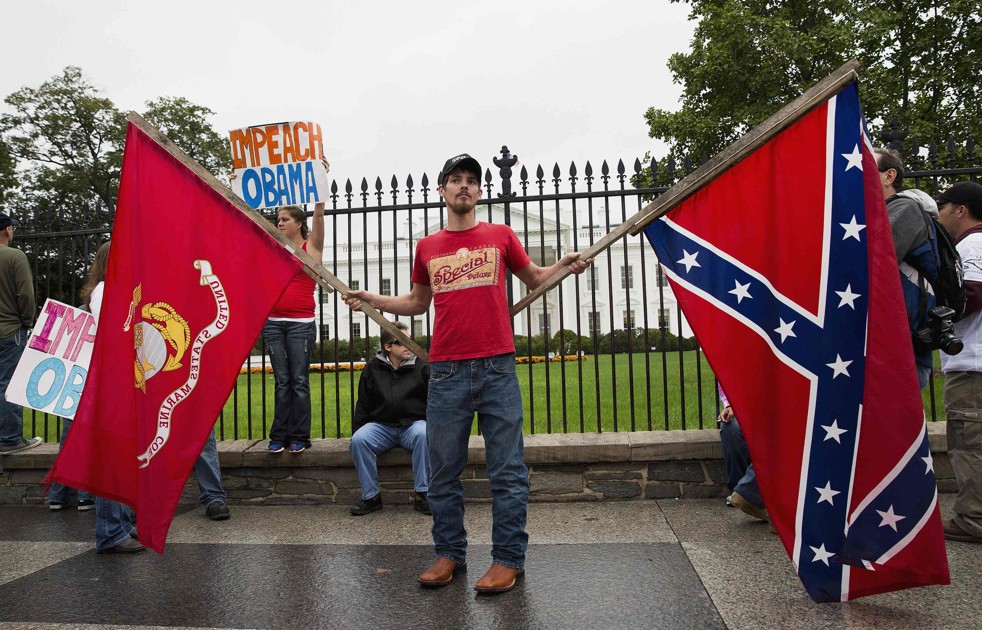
(960, 212)
(915, 242)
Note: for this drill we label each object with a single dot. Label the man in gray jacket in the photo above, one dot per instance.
(909, 228)
(17, 309)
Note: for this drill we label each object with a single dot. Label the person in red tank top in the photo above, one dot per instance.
(461, 270)
(289, 335)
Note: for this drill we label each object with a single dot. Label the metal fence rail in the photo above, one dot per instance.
(619, 321)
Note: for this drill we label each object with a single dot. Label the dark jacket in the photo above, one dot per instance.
(386, 395)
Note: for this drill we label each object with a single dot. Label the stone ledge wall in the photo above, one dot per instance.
(570, 467)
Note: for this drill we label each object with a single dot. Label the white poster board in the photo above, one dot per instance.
(52, 371)
(279, 164)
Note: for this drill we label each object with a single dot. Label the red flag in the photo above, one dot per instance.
(785, 268)
(190, 282)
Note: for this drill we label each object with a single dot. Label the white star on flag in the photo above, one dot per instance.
(839, 367)
(827, 493)
(689, 260)
(855, 159)
(852, 228)
(929, 462)
(821, 555)
(889, 518)
(848, 297)
(785, 329)
(832, 431)
(740, 291)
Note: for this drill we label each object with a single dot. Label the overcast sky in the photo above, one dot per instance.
(397, 86)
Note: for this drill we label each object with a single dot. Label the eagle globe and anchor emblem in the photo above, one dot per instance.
(162, 342)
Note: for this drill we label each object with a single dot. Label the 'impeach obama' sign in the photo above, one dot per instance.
(279, 164)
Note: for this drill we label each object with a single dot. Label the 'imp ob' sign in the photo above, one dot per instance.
(51, 373)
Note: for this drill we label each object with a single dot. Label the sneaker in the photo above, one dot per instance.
(421, 504)
(729, 501)
(54, 506)
(297, 447)
(21, 445)
(217, 511)
(748, 508)
(127, 546)
(954, 531)
(366, 506)
(276, 447)
(84, 505)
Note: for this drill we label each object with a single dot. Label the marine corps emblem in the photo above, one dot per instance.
(162, 342)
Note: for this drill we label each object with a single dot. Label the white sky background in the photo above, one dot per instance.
(398, 87)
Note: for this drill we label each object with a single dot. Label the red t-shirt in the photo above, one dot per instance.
(297, 300)
(466, 273)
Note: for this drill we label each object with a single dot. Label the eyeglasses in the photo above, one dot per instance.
(394, 342)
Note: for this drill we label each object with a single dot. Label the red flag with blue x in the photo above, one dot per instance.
(785, 268)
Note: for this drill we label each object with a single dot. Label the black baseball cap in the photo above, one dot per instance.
(6, 221)
(462, 161)
(964, 194)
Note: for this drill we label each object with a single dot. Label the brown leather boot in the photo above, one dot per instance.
(441, 573)
(498, 579)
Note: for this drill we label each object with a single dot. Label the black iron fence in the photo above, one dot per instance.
(605, 351)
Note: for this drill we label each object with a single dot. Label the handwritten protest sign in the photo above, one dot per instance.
(51, 372)
(279, 164)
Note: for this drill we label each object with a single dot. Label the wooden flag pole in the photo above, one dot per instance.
(312, 268)
(699, 178)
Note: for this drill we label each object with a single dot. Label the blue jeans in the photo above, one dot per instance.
(11, 415)
(289, 345)
(923, 374)
(458, 389)
(374, 438)
(59, 493)
(208, 473)
(114, 522)
(736, 456)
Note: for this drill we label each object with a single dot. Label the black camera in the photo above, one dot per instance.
(939, 333)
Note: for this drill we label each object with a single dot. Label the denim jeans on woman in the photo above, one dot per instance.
(58, 493)
(209, 473)
(114, 523)
(458, 389)
(11, 415)
(289, 345)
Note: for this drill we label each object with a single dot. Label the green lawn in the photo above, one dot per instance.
(568, 404)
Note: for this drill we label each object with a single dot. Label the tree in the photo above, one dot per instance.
(8, 174)
(69, 140)
(567, 342)
(71, 136)
(750, 57)
(186, 124)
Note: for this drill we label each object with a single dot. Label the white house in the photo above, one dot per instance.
(614, 294)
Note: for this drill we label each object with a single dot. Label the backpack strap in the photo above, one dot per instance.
(932, 237)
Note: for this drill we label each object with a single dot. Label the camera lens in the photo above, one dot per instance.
(951, 344)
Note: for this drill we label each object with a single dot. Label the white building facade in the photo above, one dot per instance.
(624, 289)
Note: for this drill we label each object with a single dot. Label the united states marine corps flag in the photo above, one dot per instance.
(190, 282)
(785, 268)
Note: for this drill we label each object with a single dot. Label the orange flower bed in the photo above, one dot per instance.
(314, 367)
(360, 365)
(556, 359)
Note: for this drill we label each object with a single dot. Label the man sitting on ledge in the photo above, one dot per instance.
(390, 412)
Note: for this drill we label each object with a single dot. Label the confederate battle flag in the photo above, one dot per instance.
(785, 268)
(190, 281)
